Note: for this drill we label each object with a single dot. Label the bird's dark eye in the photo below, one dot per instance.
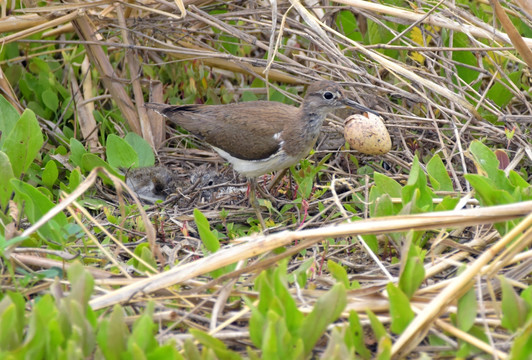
(328, 95)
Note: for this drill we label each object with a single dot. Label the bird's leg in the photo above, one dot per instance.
(276, 179)
(265, 193)
(254, 202)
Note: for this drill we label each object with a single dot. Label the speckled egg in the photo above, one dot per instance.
(367, 134)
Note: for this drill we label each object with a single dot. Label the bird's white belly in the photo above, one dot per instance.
(254, 168)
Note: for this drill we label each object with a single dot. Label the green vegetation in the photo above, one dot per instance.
(363, 254)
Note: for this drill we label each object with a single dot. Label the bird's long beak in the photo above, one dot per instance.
(356, 105)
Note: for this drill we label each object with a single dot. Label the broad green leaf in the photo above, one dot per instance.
(439, 178)
(9, 338)
(49, 174)
(356, 333)
(142, 148)
(488, 165)
(522, 343)
(376, 325)
(499, 93)
(219, 348)
(387, 185)
(381, 206)
(326, 310)
(5, 185)
(447, 203)
(82, 283)
(416, 192)
(90, 161)
(338, 272)
(372, 242)
(346, 21)
(378, 34)
(77, 150)
(487, 192)
(517, 180)
(112, 336)
(209, 239)
(50, 100)
(514, 309)
(466, 73)
(74, 180)
(36, 205)
(120, 154)
(191, 352)
(338, 347)
(144, 252)
(169, 352)
(23, 143)
(142, 334)
(400, 309)
(413, 272)
(467, 310)
(384, 351)
(8, 119)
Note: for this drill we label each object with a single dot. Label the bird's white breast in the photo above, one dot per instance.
(253, 168)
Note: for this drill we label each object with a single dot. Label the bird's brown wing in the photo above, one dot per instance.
(244, 130)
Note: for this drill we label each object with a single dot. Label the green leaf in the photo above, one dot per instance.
(522, 343)
(338, 272)
(326, 310)
(514, 309)
(447, 203)
(356, 334)
(165, 352)
(376, 325)
(118, 333)
(50, 99)
(372, 242)
(90, 161)
(49, 174)
(387, 185)
(487, 192)
(8, 119)
(382, 205)
(142, 148)
(466, 73)
(36, 205)
(120, 154)
(467, 310)
(209, 239)
(499, 94)
(142, 334)
(74, 180)
(219, 348)
(400, 309)
(384, 351)
(416, 192)
(346, 21)
(439, 178)
(5, 185)
(144, 252)
(82, 283)
(517, 180)
(77, 150)
(23, 143)
(413, 273)
(191, 352)
(11, 321)
(378, 34)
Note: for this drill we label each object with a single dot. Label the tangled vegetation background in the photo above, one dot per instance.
(419, 253)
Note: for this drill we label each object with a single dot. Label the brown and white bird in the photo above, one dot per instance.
(258, 137)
